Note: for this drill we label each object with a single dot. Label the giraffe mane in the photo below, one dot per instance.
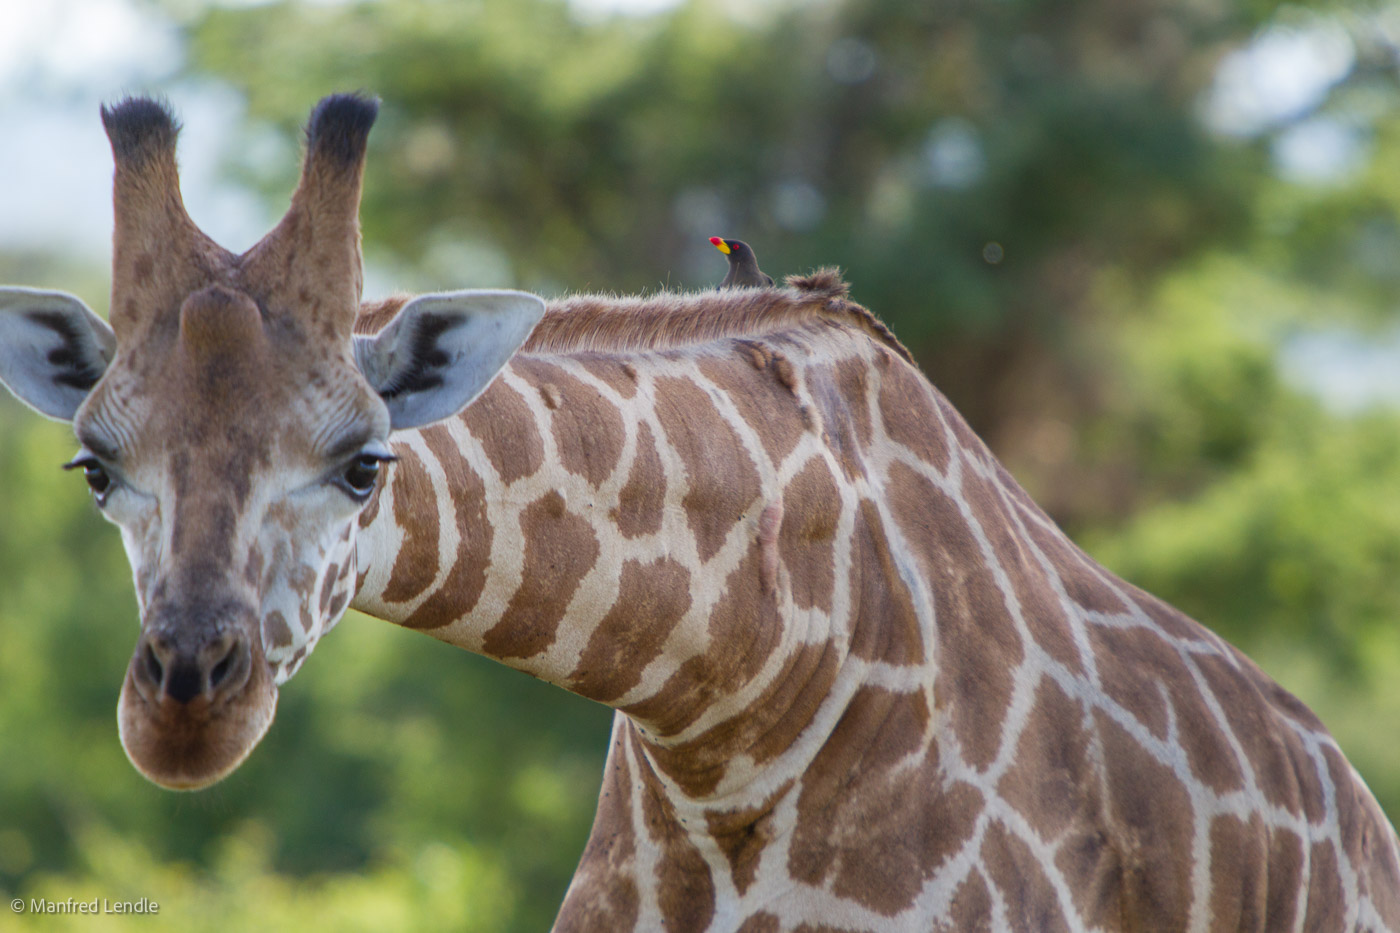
(669, 320)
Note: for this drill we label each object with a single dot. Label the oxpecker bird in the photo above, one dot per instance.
(743, 265)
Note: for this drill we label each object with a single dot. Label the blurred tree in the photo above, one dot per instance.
(1027, 193)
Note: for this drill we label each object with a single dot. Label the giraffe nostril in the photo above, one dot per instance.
(210, 665)
(154, 670)
(221, 670)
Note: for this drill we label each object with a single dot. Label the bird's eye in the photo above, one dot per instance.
(357, 478)
(98, 479)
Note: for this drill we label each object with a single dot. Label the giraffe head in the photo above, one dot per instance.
(234, 428)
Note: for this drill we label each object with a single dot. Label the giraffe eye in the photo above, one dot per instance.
(361, 474)
(98, 479)
(357, 478)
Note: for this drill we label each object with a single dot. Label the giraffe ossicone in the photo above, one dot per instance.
(861, 680)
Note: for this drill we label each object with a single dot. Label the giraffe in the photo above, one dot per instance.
(861, 681)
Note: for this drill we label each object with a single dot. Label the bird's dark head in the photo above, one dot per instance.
(735, 249)
(743, 265)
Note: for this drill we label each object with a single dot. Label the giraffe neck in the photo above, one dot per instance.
(644, 532)
(742, 546)
(689, 537)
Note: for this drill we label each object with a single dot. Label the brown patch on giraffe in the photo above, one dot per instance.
(620, 376)
(744, 629)
(651, 599)
(885, 626)
(1012, 866)
(685, 891)
(978, 645)
(466, 579)
(873, 814)
(1314, 796)
(1272, 749)
(560, 548)
(328, 586)
(588, 430)
(1145, 675)
(971, 910)
(1326, 898)
(603, 895)
(761, 400)
(502, 423)
(1238, 873)
(811, 509)
(1285, 878)
(1052, 782)
(416, 564)
(723, 480)
(642, 501)
(743, 834)
(910, 417)
(1149, 821)
(761, 922)
(275, 630)
(1040, 607)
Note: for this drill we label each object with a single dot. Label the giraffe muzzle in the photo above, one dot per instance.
(197, 698)
(169, 668)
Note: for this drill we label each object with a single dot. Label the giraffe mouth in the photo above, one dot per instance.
(187, 742)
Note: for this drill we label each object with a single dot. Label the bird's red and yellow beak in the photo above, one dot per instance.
(720, 245)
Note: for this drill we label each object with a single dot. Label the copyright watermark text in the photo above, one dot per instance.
(72, 905)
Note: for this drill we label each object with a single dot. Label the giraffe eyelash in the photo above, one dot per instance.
(358, 478)
(99, 479)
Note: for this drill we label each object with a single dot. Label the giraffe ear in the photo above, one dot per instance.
(53, 349)
(440, 351)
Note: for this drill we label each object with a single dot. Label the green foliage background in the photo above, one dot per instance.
(1123, 353)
